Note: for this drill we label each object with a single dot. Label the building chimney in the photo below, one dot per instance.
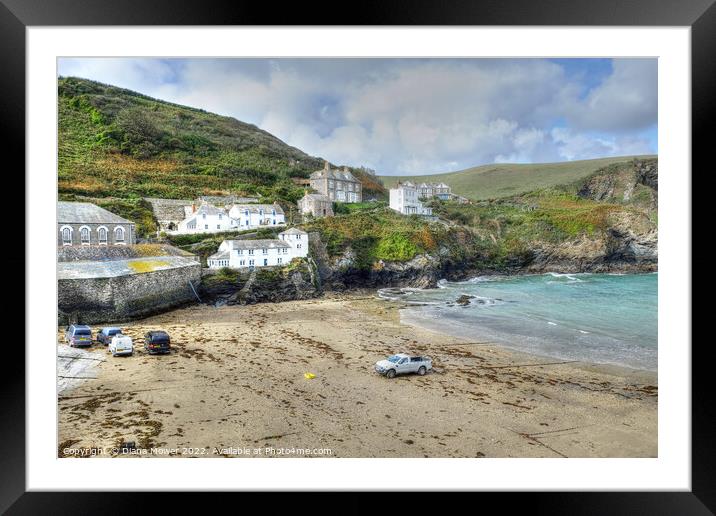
(193, 208)
(326, 166)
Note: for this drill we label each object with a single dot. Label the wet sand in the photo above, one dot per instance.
(234, 386)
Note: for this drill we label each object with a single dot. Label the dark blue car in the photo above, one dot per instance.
(104, 336)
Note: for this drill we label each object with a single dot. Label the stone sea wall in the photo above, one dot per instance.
(124, 297)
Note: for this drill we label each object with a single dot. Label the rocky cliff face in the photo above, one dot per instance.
(636, 182)
(260, 285)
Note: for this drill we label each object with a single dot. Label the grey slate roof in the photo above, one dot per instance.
(254, 208)
(227, 199)
(87, 213)
(221, 255)
(257, 244)
(316, 197)
(293, 231)
(209, 210)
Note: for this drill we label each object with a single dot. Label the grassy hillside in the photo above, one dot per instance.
(118, 143)
(506, 180)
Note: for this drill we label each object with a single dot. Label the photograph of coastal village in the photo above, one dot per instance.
(357, 258)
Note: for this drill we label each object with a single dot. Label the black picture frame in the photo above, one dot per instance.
(700, 15)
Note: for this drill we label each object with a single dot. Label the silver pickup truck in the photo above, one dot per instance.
(403, 364)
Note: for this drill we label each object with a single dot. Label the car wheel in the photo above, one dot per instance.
(390, 373)
(422, 371)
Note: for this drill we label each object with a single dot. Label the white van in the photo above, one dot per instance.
(121, 345)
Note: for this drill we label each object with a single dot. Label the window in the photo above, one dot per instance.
(264, 251)
(246, 213)
(242, 262)
(261, 213)
(239, 252)
(218, 226)
(206, 226)
(203, 215)
(273, 212)
(330, 184)
(251, 251)
(85, 235)
(280, 261)
(298, 246)
(251, 263)
(66, 236)
(102, 233)
(274, 222)
(119, 234)
(265, 261)
(219, 216)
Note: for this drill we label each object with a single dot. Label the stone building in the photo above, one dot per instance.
(337, 185)
(168, 212)
(315, 204)
(83, 223)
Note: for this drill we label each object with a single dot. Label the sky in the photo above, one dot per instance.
(414, 116)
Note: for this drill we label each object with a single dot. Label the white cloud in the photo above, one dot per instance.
(410, 116)
(573, 146)
(626, 100)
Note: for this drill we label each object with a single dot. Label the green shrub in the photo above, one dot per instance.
(396, 247)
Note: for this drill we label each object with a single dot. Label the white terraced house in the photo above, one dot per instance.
(204, 219)
(297, 239)
(239, 254)
(249, 216)
(405, 199)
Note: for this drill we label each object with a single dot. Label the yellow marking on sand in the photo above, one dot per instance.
(146, 265)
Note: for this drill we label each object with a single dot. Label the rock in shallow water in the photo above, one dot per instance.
(464, 299)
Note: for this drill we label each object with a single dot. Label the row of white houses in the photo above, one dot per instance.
(209, 219)
(239, 254)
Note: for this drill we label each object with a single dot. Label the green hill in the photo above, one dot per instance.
(506, 180)
(121, 144)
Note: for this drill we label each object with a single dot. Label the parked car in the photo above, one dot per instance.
(403, 364)
(121, 345)
(157, 342)
(104, 336)
(79, 335)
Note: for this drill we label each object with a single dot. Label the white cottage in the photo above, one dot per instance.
(297, 239)
(248, 216)
(405, 199)
(239, 254)
(204, 219)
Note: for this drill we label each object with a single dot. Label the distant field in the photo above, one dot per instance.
(504, 180)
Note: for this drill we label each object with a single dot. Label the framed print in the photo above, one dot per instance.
(425, 251)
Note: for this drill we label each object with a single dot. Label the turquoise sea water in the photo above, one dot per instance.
(599, 318)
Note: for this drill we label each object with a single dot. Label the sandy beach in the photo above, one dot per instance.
(234, 386)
